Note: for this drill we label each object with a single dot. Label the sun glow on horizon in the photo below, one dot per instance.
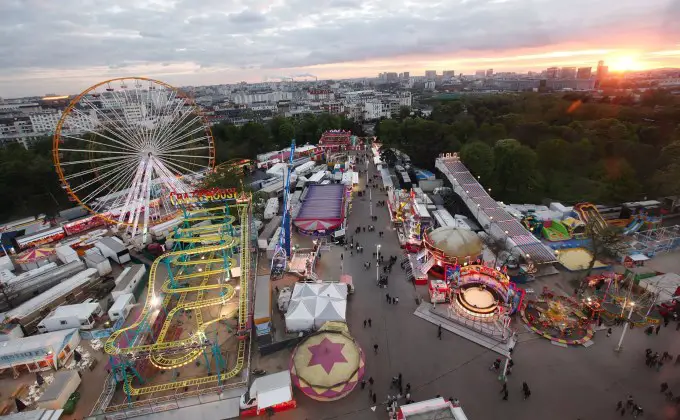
(625, 63)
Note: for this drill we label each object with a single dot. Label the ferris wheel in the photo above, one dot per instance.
(122, 146)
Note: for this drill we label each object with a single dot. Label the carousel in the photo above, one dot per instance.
(328, 364)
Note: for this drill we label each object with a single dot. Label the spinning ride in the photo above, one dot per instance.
(619, 293)
(482, 293)
(557, 318)
(123, 145)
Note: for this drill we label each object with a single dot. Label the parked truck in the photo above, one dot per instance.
(268, 393)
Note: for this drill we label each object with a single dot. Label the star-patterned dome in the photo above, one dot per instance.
(328, 364)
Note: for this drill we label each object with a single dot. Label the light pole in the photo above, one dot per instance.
(625, 327)
(377, 260)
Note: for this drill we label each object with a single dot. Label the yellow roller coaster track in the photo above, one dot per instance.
(155, 350)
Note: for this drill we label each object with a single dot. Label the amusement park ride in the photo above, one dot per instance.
(123, 145)
(283, 251)
(133, 151)
(199, 269)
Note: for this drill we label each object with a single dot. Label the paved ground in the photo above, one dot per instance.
(566, 383)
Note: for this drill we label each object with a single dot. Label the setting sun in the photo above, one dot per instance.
(625, 63)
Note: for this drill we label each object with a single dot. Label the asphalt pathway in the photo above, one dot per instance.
(566, 383)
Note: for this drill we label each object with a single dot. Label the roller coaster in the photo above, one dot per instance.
(198, 268)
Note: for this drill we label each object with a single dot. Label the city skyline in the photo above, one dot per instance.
(65, 48)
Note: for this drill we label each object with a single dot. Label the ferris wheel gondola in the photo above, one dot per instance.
(123, 145)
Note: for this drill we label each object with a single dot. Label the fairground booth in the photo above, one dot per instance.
(38, 352)
(335, 141)
(449, 247)
(323, 209)
(411, 218)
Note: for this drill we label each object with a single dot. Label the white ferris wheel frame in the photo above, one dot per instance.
(135, 161)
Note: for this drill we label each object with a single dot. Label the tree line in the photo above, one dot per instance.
(29, 184)
(568, 147)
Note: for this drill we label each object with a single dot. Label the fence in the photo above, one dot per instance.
(103, 333)
(280, 345)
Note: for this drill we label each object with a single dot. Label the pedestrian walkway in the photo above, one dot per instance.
(424, 311)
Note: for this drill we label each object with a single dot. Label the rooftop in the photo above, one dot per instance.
(26, 345)
(48, 296)
(80, 310)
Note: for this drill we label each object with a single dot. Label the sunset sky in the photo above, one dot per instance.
(64, 47)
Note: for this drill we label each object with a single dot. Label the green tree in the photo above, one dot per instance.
(515, 166)
(479, 159)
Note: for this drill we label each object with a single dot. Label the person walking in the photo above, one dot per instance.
(609, 332)
(369, 323)
(341, 256)
(363, 383)
(658, 328)
(505, 388)
(505, 395)
(375, 348)
(439, 331)
(370, 381)
(526, 390)
(374, 398)
(365, 322)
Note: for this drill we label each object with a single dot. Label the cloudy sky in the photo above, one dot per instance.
(62, 47)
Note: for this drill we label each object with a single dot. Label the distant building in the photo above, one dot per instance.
(602, 70)
(568, 73)
(584, 72)
(391, 77)
(489, 73)
(480, 73)
(449, 74)
(429, 85)
(552, 72)
(431, 74)
(407, 74)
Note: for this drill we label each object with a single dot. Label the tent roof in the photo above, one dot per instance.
(328, 310)
(334, 290)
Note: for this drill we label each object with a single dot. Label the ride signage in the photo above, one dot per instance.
(211, 195)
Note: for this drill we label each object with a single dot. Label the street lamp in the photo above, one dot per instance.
(625, 327)
(377, 260)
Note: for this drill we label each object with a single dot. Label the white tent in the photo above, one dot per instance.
(300, 315)
(663, 285)
(329, 310)
(305, 290)
(333, 290)
(313, 304)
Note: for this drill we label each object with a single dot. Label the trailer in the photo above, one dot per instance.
(66, 254)
(127, 280)
(163, 230)
(81, 316)
(40, 238)
(268, 232)
(271, 208)
(113, 248)
(121, 307)
(98, 261)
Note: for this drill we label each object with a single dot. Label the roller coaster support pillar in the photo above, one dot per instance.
(173, 283)
(207, 362)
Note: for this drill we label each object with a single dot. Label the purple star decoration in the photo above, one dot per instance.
(327, 354)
